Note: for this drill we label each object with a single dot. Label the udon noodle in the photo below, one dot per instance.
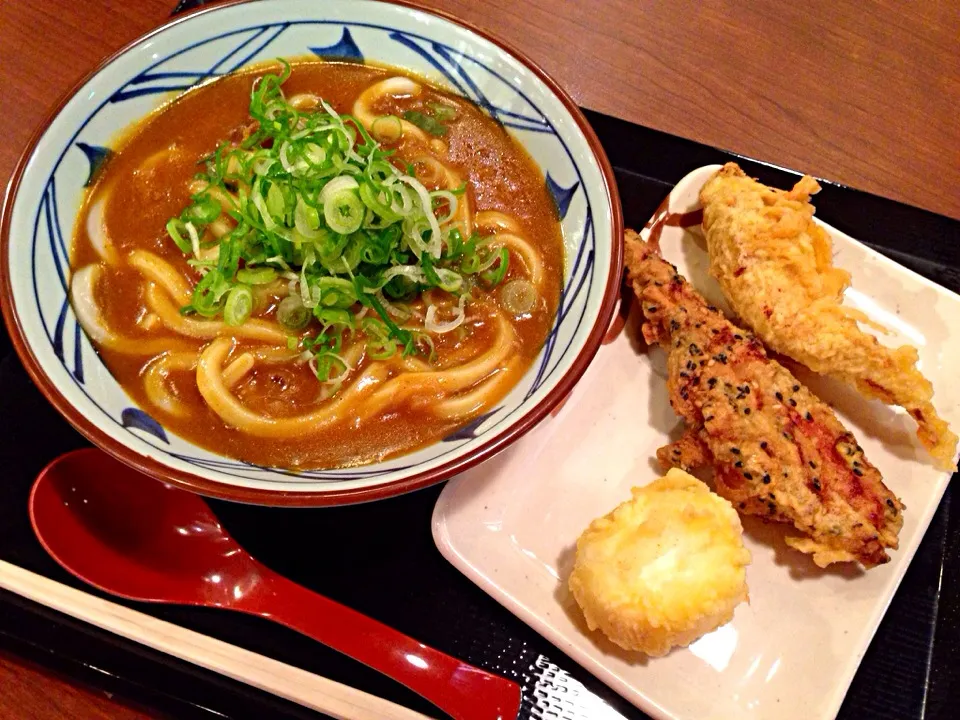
(369, 364)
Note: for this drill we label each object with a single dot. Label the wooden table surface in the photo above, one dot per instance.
(865, 94)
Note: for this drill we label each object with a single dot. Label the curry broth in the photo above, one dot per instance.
(146, 193)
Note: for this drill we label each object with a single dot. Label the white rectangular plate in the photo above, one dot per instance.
(511, 524)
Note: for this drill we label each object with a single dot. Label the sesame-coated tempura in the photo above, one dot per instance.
(777, 450)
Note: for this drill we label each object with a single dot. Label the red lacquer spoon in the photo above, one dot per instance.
(141, 539)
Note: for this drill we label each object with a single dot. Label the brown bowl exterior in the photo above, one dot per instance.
(259, 496)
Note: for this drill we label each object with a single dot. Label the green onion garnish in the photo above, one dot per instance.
(425, 123)
(387, 128)
(238, 306)
(443, 112)
(310, 197)
(292, 314)
(257, 276)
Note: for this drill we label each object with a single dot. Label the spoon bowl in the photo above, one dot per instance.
(138, 538)
(143, 540)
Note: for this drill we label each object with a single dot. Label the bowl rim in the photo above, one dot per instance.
(271, 497)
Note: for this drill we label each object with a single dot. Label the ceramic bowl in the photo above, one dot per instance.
(47, 188)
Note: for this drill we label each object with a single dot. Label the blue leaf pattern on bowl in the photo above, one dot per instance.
(562, 197)
(469, 431)
(344, 49)
(96, 155)
(137, 419)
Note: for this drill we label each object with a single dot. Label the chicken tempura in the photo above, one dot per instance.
(778, 451)
(774, 264)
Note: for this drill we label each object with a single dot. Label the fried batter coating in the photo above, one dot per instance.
(774, 264)
(777, 450)
(663, 568)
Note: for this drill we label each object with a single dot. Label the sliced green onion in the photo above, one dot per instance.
(194, 238)
(377, 203)
(432, 325)
(204, 210)
(275, 202)
(443, 112)
(334, 292)
(437, 197)
(347, 260)
(292, 314)
(493, 276)
(519, 296)
(176, 231)
(344, 212)
(338, 185)
(257, 276)
(334, 316)
(425, 122)
(387, 128)
(380, 346)
(239, 305)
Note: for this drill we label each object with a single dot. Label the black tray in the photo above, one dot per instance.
(380, 559)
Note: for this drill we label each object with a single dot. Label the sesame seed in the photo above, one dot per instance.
(748, 476)
(779, 396)
(793, 403)
(746, 411)
(735, 451)
(763, 445)
(766, 479)
(813, 465)
(796, 388)
(858, 472)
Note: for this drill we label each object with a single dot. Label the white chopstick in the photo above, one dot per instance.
(286, 681)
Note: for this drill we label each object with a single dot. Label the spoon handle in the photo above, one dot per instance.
(463, 691)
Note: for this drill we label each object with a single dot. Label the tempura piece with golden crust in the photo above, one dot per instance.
(663, 568)
(778, 451)
(775, 266)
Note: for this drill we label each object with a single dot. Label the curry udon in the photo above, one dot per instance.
(317, 265)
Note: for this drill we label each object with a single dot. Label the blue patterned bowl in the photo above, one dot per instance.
(47, 188)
